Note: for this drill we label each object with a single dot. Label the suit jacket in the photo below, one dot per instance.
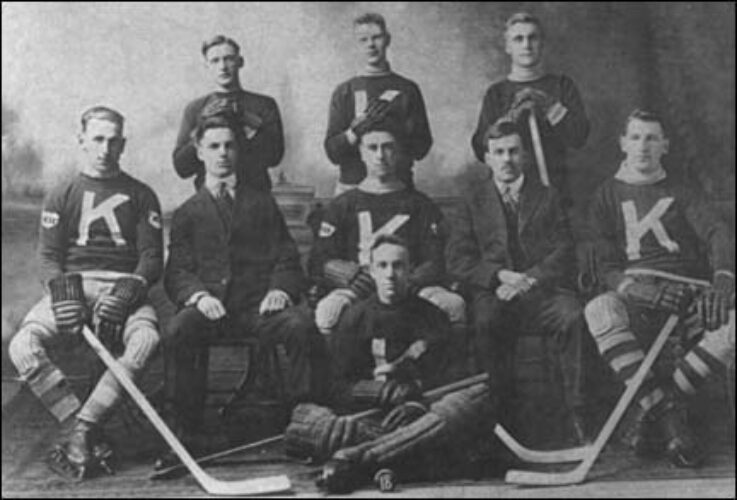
(478, 246)
(239, 264)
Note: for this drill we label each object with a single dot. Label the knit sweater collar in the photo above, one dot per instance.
(629, 175)
(519, 74)
(375, 186)
(382, 70)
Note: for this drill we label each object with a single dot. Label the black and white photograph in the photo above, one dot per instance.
(348, 249)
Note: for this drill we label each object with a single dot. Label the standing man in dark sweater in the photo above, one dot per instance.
(371, 97)
(259, 132)
(233, 265)
(528, 88)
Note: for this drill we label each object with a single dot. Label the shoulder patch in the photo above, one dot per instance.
(154, 219)
(326, 230)
(49, 219)
(389, 95)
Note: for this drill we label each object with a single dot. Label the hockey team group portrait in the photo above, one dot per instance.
(429, 249)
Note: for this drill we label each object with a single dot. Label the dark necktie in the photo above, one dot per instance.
(509, 201)
(511, 209)
(225, 204)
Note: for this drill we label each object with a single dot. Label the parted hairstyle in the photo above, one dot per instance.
(371, 18)
(645, 115)
(502, 128)
(219, 40)
(387, 125)
(388, 239)
(216, 121)
(102, 113)
(524, 17)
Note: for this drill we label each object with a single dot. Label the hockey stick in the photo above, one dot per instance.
(171, 471)
(537, 145)
(540, 456)
(578, 474)
(261, 486)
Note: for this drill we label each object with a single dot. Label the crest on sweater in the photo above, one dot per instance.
(154, 219)
(49, 220)
(326, 230)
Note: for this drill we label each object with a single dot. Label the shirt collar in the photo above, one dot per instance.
(515, 186)
(213, 184)
(631, 176)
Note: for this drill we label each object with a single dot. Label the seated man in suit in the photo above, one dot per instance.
(232, 266)
(512, 247)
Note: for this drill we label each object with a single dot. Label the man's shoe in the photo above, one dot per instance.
(644, 437)
(681, 446)
(81, 455)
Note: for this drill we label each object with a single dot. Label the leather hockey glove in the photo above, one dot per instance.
(403, 414)
(68, 303)
(112, 310)
(376, 111)
(666, 296)
(714, 303)
(347, 274)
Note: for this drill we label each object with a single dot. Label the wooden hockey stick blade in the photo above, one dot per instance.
(260, 486)
(579, 474)
(174, 470)
(540, 456)
(537, 145)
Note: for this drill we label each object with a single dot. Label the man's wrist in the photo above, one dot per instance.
(194, 299)
(351, 136)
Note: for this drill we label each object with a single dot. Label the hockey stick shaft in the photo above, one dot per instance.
(540, 456)
(207, 459)
(579, 474)
(537, 145)
(211, 485)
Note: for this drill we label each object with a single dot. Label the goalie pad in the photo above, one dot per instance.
(317, 432)
(455, 418)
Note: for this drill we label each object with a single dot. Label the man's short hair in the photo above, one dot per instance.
(524, 17)
(219, 40)
(645, 115)
(217, 121)
(388, 126)
(502, 128)
(371, 18)
(388, 239)
(102, 113)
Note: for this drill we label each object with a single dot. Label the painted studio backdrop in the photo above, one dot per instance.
(144, 59)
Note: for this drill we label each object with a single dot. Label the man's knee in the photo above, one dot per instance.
(331, 308)
(605, 314)
(297, 324)
(141, 340)
(188, 326)
(452, 304)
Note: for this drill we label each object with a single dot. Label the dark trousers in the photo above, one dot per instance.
(190, 331)
(498, 324)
